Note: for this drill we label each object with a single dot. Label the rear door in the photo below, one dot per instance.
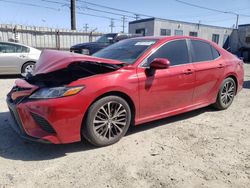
(209, 68)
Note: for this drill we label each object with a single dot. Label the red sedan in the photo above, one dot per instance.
(129, 83)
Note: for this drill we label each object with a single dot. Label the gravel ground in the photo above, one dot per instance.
(203, 148)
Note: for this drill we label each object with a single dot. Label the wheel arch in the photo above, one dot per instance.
(30, 61)
(123, 95)
(235, 80)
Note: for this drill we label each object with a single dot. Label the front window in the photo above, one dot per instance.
(12, 48)
(175, 51)
(127, 50)
(106, 38)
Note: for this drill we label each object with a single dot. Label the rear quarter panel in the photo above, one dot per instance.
(234, 67)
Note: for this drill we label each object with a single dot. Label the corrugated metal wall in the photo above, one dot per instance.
(42, 37)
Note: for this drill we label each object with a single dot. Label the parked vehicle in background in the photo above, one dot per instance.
(128, 83)
(105, 40)
(16, 58)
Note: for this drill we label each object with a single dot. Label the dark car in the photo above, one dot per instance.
(105, 40)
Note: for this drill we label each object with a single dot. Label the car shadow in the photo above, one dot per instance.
(10, 76)
(169, 120)
(246, 84)
(15, 148)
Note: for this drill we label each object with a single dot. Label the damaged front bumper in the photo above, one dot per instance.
(17, 126)
(56, 121)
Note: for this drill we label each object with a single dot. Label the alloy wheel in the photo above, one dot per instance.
(110, 120)
(227, 93)
(28, 69)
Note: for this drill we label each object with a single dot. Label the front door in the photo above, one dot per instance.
(167, 89)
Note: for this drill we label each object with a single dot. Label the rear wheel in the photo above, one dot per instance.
(27, 68)
(226, 94)
(107, 121)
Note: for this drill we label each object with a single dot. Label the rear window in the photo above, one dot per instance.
(216, 54)
(202, 51)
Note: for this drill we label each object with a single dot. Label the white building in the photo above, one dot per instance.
(164, 27)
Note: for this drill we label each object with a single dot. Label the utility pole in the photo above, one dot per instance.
(73, 14)
(111, 24)
(86, 27)
(123, 23)
(199, 23)
(237, 20)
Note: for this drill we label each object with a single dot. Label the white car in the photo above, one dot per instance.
(17, 58)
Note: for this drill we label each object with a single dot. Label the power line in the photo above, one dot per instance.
(98, 16)
(211, 9)
(88, 8)
(29, 4)
(55, 2)
(215, 10)
(111, 8)
(97, 10)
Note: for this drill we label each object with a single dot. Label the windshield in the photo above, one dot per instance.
(127, 50)
(105, 38)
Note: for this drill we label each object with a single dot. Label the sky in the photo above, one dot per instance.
(56, 13)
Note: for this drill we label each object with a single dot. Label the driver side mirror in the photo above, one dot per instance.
(160, 63)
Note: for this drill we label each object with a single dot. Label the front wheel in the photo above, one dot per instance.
(226, 94)
(107, 121)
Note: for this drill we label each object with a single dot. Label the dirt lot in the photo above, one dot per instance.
(203, 148)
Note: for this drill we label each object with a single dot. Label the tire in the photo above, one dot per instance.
(226, 94)
(27, 68)
(108, 120)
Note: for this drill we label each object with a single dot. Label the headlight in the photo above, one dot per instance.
(85, 51)
(55, 92)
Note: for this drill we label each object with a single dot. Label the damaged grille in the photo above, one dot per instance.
(43, 123)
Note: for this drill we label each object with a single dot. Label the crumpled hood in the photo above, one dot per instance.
(53, 60)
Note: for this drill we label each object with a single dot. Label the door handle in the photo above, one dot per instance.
(188, 71)
(22, 56)
(220, 66)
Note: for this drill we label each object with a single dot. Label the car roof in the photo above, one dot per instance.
(168, 38)
(15, 44)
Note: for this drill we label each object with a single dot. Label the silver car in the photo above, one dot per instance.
(17, 58)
